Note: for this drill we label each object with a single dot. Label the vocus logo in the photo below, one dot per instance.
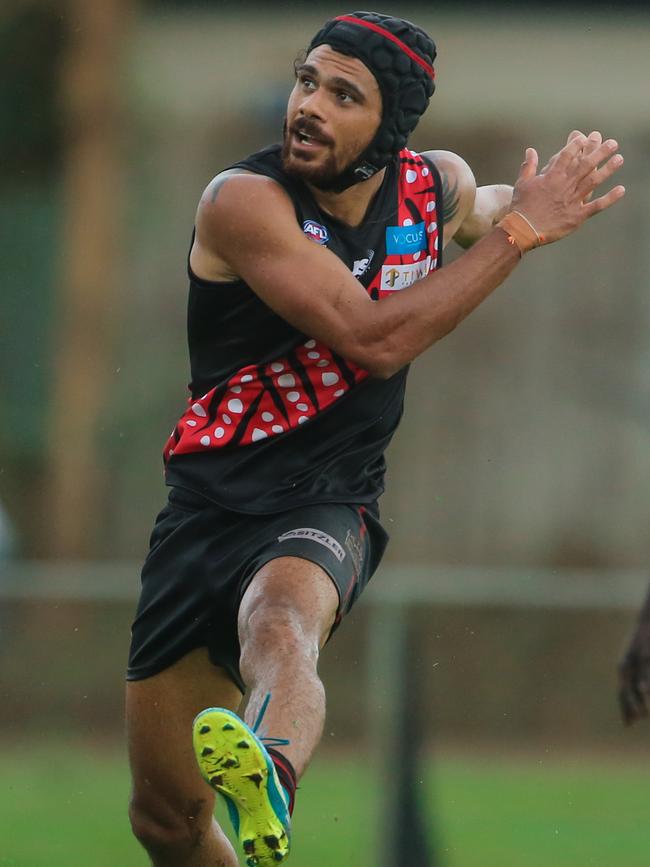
(401, 240)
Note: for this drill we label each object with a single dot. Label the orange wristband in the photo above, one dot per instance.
(520, 232)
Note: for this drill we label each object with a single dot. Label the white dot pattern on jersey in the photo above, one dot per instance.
(300, 386)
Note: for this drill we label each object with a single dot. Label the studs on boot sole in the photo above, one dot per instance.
(244, 745)
(204, 730)
(207, 751)
(227, 727)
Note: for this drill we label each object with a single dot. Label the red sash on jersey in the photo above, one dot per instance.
(261, 401)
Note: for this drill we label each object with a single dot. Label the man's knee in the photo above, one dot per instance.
(275, 636)
(288, 609)
(169, 830)
(277, 629)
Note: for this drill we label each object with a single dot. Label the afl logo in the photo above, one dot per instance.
(316, 232)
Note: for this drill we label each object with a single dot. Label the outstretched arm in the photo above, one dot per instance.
(634, 671)
(251, 226)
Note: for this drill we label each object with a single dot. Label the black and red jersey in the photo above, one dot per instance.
(275, 418)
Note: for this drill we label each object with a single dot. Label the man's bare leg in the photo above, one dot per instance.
(285, 617)
(171, 808)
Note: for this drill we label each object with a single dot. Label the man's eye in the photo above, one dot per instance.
(307, 82)
(344, 97)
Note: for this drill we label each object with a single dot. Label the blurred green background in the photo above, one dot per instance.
(524, 444)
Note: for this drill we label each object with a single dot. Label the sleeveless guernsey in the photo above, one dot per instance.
(275, 419)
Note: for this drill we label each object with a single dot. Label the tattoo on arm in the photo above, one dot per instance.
(216, 186)
(450, 197)
(219, 181)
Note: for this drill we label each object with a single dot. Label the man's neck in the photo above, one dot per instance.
(350, 206)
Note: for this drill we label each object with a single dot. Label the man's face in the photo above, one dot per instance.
(333, 114)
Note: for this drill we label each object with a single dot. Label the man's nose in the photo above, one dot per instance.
(312, 106)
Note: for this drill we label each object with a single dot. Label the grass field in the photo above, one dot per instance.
(64, 806)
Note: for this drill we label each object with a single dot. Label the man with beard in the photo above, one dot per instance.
(314, 281)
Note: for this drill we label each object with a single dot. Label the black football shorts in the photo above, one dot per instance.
(202, 558)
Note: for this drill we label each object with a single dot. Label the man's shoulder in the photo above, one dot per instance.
(262, 171)
(450, 163)
(458, 186)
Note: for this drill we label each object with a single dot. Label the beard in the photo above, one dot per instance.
(324, 175)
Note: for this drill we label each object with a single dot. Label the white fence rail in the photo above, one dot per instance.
(394, 585)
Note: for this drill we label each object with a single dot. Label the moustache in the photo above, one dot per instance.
(309, 127)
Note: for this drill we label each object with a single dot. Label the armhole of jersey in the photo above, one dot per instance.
(201, 281)
(437, 182)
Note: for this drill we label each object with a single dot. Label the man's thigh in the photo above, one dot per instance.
(316, 562)
(159, 715)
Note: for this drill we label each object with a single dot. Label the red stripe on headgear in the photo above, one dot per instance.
(412, 54)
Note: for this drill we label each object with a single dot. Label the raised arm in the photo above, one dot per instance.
(250, 225)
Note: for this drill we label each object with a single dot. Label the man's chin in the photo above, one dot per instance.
(310, 171)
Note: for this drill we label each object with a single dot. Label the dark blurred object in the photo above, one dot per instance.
(634, 671)
(410, 842)
(396, 8)
(32, 41)
(7, 541)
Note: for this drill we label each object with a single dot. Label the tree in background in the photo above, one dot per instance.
(90, 267)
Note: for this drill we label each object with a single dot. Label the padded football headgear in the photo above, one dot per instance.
(400, 56)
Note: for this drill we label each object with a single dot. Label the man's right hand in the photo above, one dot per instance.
(558, 200)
